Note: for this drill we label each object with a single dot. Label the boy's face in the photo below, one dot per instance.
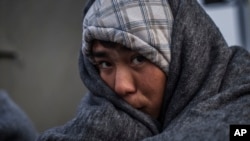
(134, 78)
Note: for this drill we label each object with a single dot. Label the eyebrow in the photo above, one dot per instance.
(99, 54)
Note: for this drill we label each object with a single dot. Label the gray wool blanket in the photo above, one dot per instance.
(14, 123)
(208, 89)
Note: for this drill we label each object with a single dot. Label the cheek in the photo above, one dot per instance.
(152, 82)
(107, 78)
(152, 87)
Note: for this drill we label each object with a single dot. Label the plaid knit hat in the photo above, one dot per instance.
(141, 25)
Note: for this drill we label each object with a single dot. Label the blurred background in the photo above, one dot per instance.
(45, 37)
(232, 18)
(39, 44)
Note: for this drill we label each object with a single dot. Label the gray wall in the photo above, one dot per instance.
(44, 81)
(235, 25)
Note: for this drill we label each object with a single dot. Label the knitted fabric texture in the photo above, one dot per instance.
(143, 26)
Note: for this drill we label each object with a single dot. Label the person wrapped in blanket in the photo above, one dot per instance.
(156, 70)
(15, 125)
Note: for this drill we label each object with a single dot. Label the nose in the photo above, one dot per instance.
(124, 82)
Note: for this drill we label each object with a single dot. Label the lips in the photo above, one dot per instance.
(136, 104)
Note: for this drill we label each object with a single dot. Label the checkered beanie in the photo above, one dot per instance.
(141, 25)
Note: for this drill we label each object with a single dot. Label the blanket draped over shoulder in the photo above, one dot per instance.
(15, 125)
(208, 89)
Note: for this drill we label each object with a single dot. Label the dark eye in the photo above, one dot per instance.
(138, 59)
(104, 65)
